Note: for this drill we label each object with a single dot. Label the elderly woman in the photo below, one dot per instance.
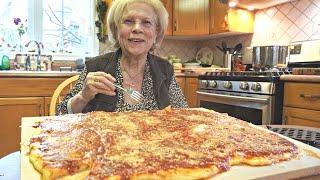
(136, 27)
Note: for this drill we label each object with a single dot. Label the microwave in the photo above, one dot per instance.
(304, 52)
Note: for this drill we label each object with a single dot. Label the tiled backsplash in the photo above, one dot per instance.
(289, 22)
(279, 25)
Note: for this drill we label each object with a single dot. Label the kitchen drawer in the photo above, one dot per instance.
(301, 117)
(302, 95)
(29, 87)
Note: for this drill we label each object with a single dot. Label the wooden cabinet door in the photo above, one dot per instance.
(218, 16)
(168, 4)
(190, 91)
(11, 112)
(181, 81)
(302, 95)
(301, 117)
(191, 17)
(225, 19)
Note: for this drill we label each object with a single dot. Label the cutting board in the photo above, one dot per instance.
(307, 165)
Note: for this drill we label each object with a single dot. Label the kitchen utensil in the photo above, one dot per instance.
(220, 48)
(135, 95)
(237, 49)
(267, 57)
(224, 46)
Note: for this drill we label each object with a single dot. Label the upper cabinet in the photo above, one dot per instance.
(225, 19)
(190, 17)
(168, 4)
(218, 16)
(261, 4)
(206, 17)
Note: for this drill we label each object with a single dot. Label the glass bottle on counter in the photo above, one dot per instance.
(237, 64)
(4, 60)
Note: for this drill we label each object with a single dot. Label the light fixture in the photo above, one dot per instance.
(250, 8)
(232, 4)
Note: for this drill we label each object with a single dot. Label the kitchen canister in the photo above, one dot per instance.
(4, 62)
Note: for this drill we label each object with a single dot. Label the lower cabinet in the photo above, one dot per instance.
(301, 117)
(189, 86)
(302, 104)
(22, 97)
(11, 110)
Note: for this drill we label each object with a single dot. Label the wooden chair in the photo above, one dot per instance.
(56, 97)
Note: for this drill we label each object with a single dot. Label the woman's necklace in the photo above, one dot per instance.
(133, 79)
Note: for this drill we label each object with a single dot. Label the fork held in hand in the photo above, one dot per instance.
(135, 95)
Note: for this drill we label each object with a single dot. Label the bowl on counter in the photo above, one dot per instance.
(191, 65)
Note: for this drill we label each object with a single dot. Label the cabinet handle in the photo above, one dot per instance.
(175, 25)
(310, 96)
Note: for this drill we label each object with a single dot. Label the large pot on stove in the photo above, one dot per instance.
(268, 57)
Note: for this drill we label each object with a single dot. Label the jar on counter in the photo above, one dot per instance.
(5, 63)
(237, 64)
(4, 60)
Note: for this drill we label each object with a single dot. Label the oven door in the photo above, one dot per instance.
(252, 108)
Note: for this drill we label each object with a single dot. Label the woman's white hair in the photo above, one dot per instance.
(115, 17)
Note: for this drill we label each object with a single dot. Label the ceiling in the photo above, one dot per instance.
(259, 4)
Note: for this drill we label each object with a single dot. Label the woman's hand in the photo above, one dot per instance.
(98, 82)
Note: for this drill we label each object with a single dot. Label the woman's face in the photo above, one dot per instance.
(137, 31)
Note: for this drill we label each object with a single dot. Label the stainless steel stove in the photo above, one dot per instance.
(256, 97)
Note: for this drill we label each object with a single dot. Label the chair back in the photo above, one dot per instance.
(56, 97)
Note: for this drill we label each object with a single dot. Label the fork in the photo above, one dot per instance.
(135, 95)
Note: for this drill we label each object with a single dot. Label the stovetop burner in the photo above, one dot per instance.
(264, 76)
(248, 73)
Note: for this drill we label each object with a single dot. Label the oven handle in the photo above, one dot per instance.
(260, 100)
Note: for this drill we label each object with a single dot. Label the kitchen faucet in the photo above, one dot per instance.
(39, 45)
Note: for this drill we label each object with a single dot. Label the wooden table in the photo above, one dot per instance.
(307, 165)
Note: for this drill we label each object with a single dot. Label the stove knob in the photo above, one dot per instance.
(244, 86)
(227, 84)
(256, 86)
(212, 84)
(204, 83)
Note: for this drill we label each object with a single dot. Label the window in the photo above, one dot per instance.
(63, 26)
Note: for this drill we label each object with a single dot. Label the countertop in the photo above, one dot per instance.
(301, 78)
(14, 73)
(186, 74)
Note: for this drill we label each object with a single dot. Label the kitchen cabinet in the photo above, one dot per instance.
(190, 17)
(189, 86)
(225, 19)
(11, 110)
(168, 4)
(182, 82)
(302, 104)
(261, 4)
(190, 91)
(22, 97)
